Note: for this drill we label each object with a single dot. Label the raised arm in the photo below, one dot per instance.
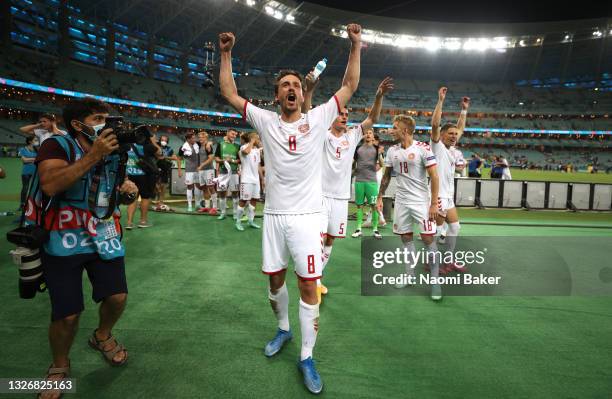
(383, 88)
(29, 129)
(310, 83)
(465, 104)
(226, 79)
(350, 82)
(432, 171)
(248, 148)
(437, 115)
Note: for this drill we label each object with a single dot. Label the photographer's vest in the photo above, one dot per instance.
(133, 168)
(72, 228)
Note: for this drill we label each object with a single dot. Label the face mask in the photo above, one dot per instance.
(163, 143)
(95, 129)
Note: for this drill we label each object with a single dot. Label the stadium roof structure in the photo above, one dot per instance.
(283, 33)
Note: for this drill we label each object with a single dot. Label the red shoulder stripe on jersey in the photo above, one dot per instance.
(244, 110)
(337, 104)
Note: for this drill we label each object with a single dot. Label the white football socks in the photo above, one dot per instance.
(309, 324)
(280, 306)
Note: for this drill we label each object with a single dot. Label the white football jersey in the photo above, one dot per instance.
(294, 157)
(410, 164)
(249, 165)
(43, 134)
(446, 168)
(338, 155)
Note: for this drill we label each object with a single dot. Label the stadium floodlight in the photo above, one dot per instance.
(432, 43)
(406, 41)
(477, 44)
(452, 44)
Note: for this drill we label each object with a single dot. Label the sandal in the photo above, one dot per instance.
(64, 371)
(109, 354)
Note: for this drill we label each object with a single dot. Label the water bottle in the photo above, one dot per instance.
(319, 68)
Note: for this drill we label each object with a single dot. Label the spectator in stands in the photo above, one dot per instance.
(45, 128)
(142, 170)
(28, 156)
(474, 166)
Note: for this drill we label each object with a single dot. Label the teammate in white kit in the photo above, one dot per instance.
(189, 151)
(338, 154)
(412, 161)
(293, 144)
(250, 176)
(443, 140)
(206, 175)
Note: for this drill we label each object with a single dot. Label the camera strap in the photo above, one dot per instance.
(94, 187)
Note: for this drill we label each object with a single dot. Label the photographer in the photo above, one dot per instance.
(142, 170)
(69, 167)
(165, 170)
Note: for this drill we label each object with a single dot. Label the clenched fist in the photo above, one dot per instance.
(354, 32)
(442, 93)
(226, 41)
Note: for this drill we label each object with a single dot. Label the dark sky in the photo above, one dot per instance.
(478, 10)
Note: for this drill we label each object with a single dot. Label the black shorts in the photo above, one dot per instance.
(164, 176)
(64, 277)
(145, 184)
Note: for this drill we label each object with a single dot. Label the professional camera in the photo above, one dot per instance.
(138, 135)
(27, 258)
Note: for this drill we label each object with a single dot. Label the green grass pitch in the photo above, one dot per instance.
(198, 317)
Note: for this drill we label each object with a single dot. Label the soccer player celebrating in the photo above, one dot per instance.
(250, 160)
(227, 179)
(338, 153)
(443, 140)
(292, 142)
(206, 175)
(412, 161)
(189, 151)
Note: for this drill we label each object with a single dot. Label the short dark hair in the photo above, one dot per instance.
(447, 126)
(48, 116)
(81, 109)
(286, 72)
